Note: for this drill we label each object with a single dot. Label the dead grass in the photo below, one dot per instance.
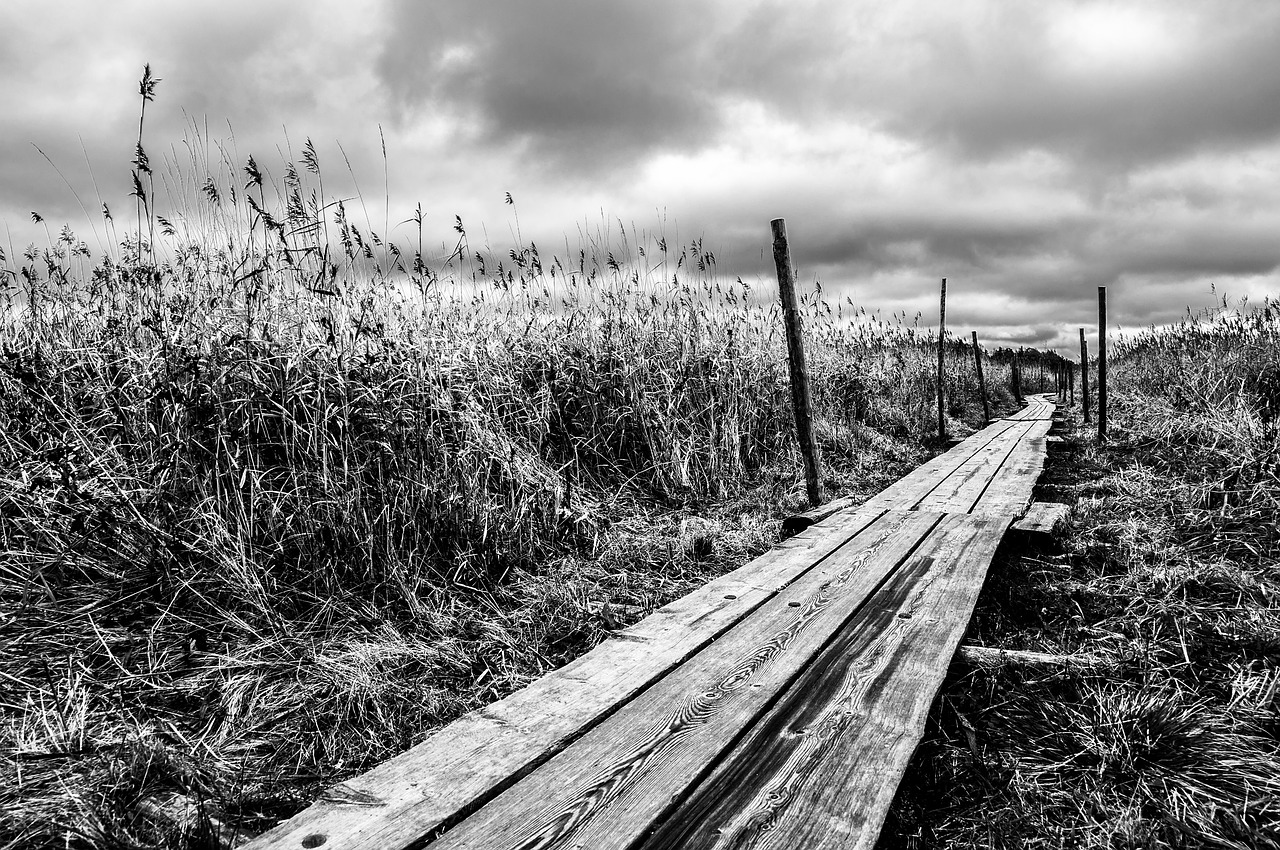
(279, 495)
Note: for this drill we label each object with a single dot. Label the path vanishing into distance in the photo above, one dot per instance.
(775, 707)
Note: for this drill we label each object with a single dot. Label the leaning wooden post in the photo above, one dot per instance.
(1102, 362)
(982, 383)
(1084, 376)
(942, 352)
(800, 398)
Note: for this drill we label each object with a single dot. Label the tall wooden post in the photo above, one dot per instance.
(1084, 376)
(1015, 378)
(800, 398)
(942, 352)
(1102, 362)
(1071, 384)
(982, 383)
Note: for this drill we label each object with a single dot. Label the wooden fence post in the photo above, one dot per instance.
(942, 351)
(1102, 362)
(1084, 376)
(982, 383)
(800, 398)
(1015, 378)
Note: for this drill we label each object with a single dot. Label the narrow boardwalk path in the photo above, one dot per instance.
(776, 706)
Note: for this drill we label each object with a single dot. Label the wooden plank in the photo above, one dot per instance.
(966, 486)
(1034, 411)
(797, 523)
(618, 781)
(821, 767)
(470, 760)
(933, 485)
(1011, 488)
(1042, 518)
(987, 656)
(909, 491)
(1038, 407)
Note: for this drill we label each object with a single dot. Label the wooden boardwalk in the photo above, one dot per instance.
(776, 706)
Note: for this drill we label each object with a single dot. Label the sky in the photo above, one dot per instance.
(1028, 152)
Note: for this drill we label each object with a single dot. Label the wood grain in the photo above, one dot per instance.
(820, 767)
(1011, 489)
(472, 759)
(912, 489)
(965, 487)
(612, 785)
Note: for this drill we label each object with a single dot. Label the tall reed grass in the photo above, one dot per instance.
(280, 494)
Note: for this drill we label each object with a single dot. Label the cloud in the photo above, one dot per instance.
(582, 84)
(1027, 151)
(1210, 82)
(1105, 84)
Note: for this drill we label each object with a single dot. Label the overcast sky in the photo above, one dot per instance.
(1029, 152)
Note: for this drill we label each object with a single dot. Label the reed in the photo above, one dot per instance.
(282, 494)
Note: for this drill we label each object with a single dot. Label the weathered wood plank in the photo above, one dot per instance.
(615, 783)
(1013, 485)
(821, 767)
(1042, 518)
(470, 760)
(990, 656)
(912, 489)
(797, 523)
(1034, 411)
(966, 486)
(1039, 406)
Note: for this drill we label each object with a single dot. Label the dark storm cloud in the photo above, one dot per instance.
(584, 83)
(590, 84)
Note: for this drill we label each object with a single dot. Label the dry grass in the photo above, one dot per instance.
(279, 496)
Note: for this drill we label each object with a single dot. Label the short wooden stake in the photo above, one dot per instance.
(982, 383)
(942, 352)
(800, 397)
(1084, 376)
(1102, 362)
